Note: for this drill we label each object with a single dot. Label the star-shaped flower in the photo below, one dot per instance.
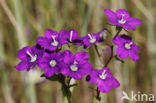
(76, 65)
(92, 39)
(126, 47)
(72, 37)
(51, 63)
(52, 39)
(103, 79)
(122, 18)
(29, 57)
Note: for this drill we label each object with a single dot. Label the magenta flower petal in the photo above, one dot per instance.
(49, 33)
(85, 68)
(29, 57)
(126, 47)
(128, 26)
(122, 53)
(134, 21)
(63, 37)
(115, 84)
(76, 76)
(104, 87)
(122, 18)
(50, 63)
(75, 66)
(52, 39)
(49, 72)
(109, 13)
(44, 42)
(118, 41)
(23, 65)
(103, 79)
(68, 57)
(81, 57)
(91, 39)
(65, 70)
(119, 13)
(112, 17)
(43, 63)
(133, 55)
(22, 55)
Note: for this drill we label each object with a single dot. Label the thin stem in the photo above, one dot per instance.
(110, 57)
(68, 82)
(97, 50)
(117, 58)
(65, 87)
(98, 95)
(67, 92)
(119, 30)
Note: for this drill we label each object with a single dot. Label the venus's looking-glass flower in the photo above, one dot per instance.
(52, 39)
(126, 47)
(76, 65)
(91, 39)
(72, 37)
(104, 79)
(122, 18)
(50, 63)
(29, 57)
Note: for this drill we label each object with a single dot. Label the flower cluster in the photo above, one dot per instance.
(49, 54)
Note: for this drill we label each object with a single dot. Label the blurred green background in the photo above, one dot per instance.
(21, 21)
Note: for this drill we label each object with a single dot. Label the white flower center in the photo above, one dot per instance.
(52, 63)
(74, 67)
(92, 39)
(128, 45)
(54, 43)
(122, 21)
(33, 58)
(103, 75)
(71, 34)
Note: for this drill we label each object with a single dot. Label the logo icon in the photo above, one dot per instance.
(137, 96)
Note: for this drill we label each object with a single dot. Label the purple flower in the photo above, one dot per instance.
(29, 57)
(91, 39)
(126, 47)
(76, 65)
(122, 18)
(72, 37)
(52, 39)
(103, 79)
(50, 63)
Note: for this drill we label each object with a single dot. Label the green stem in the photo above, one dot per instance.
(66, 92)
(110, 57)
(65, 87)
(119, 30)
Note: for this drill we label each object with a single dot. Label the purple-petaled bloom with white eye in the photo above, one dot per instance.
(72, 37)
(52, 39)
(103, 79)
(29, 57)
(91, 39)
(50, 63)
(126, 47)
(122, 18)
(76, 65)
